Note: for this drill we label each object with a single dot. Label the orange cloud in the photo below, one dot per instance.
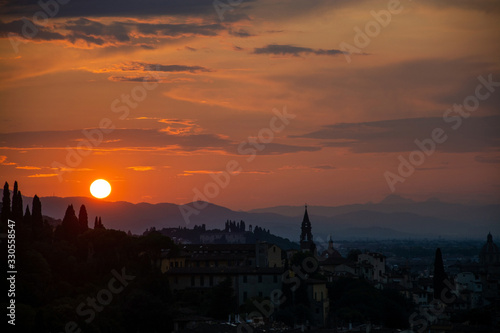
(28, 168)
(141, 168)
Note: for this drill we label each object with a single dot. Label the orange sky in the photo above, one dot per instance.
(158, 99)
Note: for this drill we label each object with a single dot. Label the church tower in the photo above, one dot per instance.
(306, 238)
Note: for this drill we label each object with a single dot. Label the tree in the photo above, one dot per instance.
(68, 230)
(27, 216)
(36, 216)
(98, 223)
(5, 204)
(439, 275)
(17, 206)
(83, 219)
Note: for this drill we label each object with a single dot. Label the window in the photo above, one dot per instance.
(192, 281)
(176, 280)
(275, 278)
(260, 293)
(202, 281)
(211, 280)
(245, 279)
(274, 249)
(260, 278)
(245, 296)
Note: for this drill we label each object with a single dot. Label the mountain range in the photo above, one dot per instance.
(392, 218)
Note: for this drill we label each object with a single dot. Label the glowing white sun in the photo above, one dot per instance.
(100, 188)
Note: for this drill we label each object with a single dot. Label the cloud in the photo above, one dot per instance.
(476, 134)
(3, 161)
(149, 67)
(43, 175)
(30, 30)
(187, 173)
(242, 33)
(135, 79)
(296, 51)
(185, 138)
(493, 159)
(142, 168)
(28, 168)
(180, 126)
(113, 8)
(324, 167)
(307, 167)
(84, 32)
(486, 6)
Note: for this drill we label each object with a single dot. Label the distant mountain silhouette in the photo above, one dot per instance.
(393, 217)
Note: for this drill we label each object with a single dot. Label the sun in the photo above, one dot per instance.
(100, 188)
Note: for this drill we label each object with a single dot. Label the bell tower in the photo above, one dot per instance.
(306, 237)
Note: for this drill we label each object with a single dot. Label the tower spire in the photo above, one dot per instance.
(306, 238)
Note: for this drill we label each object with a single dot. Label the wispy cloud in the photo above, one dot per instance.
(43, 175)
(84, 32)
(28, 168)
(477, 134)
(142, 168)
(286, 49)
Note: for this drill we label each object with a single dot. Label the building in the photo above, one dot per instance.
(260, 254)
(489, 254)
(372, 266)
(306, 237)
(254, 269)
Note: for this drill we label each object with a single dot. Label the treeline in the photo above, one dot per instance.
(65, 273)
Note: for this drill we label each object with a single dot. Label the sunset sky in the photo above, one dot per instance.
(182, 88)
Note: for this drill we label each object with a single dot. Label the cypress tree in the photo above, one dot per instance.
(14, 197)
(17, 206)
(36, 215)
(69, 226)
(100, 223)
(439, 275)
(83, 219)
(5, 204)
(27, 215)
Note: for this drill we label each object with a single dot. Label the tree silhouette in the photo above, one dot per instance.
(68, 229)
(98, 223)
(5, 204)
(36, 216)
(83, 219)
(17, 204)
(439, 274)
(27, 216)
